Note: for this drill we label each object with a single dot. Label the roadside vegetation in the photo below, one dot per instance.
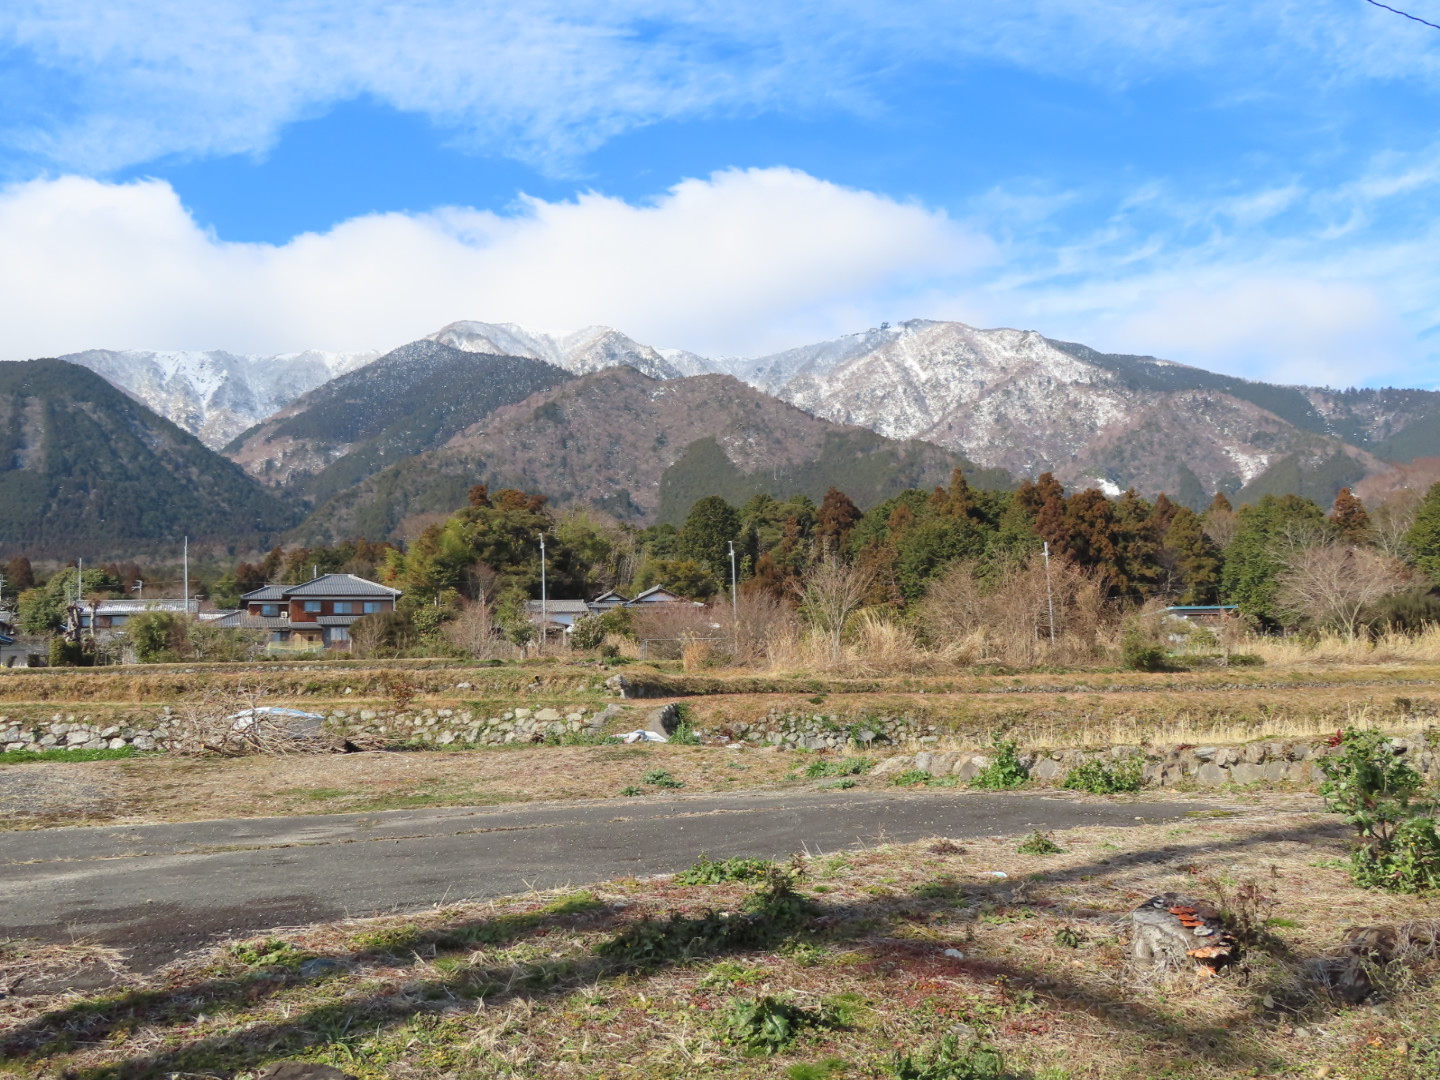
(912, 962)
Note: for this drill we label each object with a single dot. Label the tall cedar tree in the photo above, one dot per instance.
(837, 518)
(1137, 544)
(1163, 514)
(1350, 518)
(956, 500)
(1033, 497)
(1424, 536)
(706, 535)
(1191, 559)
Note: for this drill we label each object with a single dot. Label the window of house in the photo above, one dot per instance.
(344, 607)
(372, 606)
(279, 637)
(339, 633)
(312, 606)
(270, 610)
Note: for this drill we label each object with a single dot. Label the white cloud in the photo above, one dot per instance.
(126, 81)
(740, 262)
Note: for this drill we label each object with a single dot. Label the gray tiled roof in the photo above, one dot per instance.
(266, 592)
(245, 621)
(334, 620)
(341, 585)
(559, 607)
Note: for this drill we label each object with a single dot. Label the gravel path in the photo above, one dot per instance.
(26, 791)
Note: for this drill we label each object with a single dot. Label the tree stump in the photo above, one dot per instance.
(1171, 930)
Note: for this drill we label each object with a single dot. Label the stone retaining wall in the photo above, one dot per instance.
(1267, 760)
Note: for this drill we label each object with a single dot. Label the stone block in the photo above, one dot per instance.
(1204, 753)
(548, 716)
(1048, 769)
(1226, 756)
(1253, 753)
(1247, 773)
(1211, 775)
(891, 765)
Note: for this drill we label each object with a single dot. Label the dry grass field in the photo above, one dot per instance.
(885, 951)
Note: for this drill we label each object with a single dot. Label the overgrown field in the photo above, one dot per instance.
(930, 961)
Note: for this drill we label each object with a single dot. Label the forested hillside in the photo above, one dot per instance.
(84, 467)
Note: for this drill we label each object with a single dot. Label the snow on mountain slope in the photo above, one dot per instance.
(1016, 400)
(217, 395)
(580, 351)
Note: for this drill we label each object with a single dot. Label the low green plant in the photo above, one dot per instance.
(268, 953)
(25, 757)
(844, 784)
(1006, 771)
(1037, 843)
(1378, 793)
(769, 916)
(661, 779)
(815, 1070)
(818, 770)
(1098, 778)
(1067, 937)
(1138, 653)
(707, 871)
(949, 1059)
(631, 791)
(910, 778)
(769, 1024)
(685, 734)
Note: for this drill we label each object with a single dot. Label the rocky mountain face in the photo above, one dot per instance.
(86, 469)
(1019, 401)
(643, 449)
(580, 351)
(411, 400)
(216, 395)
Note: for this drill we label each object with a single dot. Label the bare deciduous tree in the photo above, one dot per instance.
(830, 592)
(473, 630)
(1003, 613)
(1391, 520)
(1333, 584)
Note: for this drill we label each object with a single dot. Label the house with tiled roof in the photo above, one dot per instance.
(560, 615)
(315, 614)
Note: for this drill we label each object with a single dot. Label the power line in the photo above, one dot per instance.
(1407, 15)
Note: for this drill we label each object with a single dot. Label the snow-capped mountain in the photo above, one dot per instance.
(217, 395)
(1016, 400)
(580, 351)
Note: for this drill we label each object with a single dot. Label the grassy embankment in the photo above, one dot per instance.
(886, 951)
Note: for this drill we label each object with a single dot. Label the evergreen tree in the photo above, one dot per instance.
(1163, 514)
(1253, 561)
(1220, 522)
(1192, 559)
(956, 500)
(1350, 519)
(837, 517)
(1137, 545)
(1033, 497)
(706, 535)
(1424, 536)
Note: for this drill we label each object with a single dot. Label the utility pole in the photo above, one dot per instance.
(185, 560)
(1049, 594)
(138, 587)
(734, 592)
(544, 618)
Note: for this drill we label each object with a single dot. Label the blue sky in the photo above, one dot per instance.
(1251, 188)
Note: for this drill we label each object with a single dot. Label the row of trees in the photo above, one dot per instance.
(1284, 561)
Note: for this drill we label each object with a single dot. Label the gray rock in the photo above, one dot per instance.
(1246, 773)
(1048, 769)
(892, 765)
(1211, 775)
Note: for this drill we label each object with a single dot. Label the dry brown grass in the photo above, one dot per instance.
(151, 789)
(1330, 649)
(515, 987)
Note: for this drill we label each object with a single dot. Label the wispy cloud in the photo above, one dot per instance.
(128, 81)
